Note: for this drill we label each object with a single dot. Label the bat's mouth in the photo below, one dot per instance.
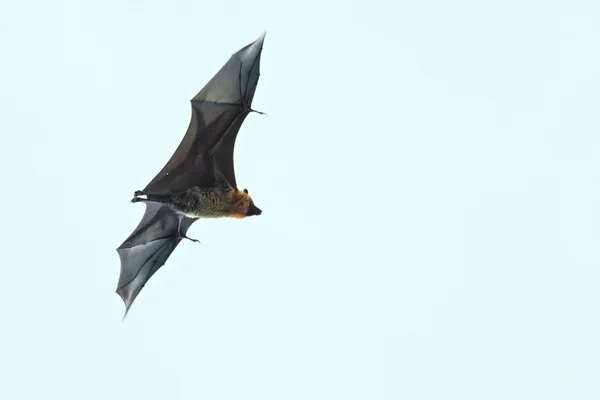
(253, 210)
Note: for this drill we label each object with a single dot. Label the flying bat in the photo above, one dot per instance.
(199, 179)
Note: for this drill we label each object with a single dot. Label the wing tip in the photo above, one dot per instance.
(127, 299)
(253, 49)
(260, 41)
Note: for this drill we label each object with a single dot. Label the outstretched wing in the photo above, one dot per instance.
(148, 248)
(218, 111)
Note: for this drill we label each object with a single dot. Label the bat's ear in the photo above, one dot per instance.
(246, 191)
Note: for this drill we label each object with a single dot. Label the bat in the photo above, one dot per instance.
(198, 181)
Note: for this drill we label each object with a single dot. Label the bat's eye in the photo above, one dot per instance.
(246, 191)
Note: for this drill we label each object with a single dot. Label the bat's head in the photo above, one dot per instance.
(252, 209)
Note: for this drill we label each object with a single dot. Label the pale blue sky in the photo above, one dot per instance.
(429, 178)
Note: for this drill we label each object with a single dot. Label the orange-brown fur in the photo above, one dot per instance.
(240, 202)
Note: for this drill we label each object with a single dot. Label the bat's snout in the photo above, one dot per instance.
(253, 210)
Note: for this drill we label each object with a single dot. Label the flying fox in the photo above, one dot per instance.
(199, 179)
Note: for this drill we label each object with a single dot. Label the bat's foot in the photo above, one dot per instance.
(137, 196)
(193, 240)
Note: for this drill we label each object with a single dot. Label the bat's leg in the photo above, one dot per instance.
(184, 236)
(159, 198)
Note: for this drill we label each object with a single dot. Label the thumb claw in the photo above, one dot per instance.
(258, 112)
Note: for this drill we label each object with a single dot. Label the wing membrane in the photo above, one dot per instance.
(218, 111)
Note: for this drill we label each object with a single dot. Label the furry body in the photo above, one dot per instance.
(205, 203)
(211, 203)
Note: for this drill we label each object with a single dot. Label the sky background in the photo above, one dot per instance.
(429, 178)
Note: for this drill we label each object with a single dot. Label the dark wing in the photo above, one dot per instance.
(148, 248)
(206, 152)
